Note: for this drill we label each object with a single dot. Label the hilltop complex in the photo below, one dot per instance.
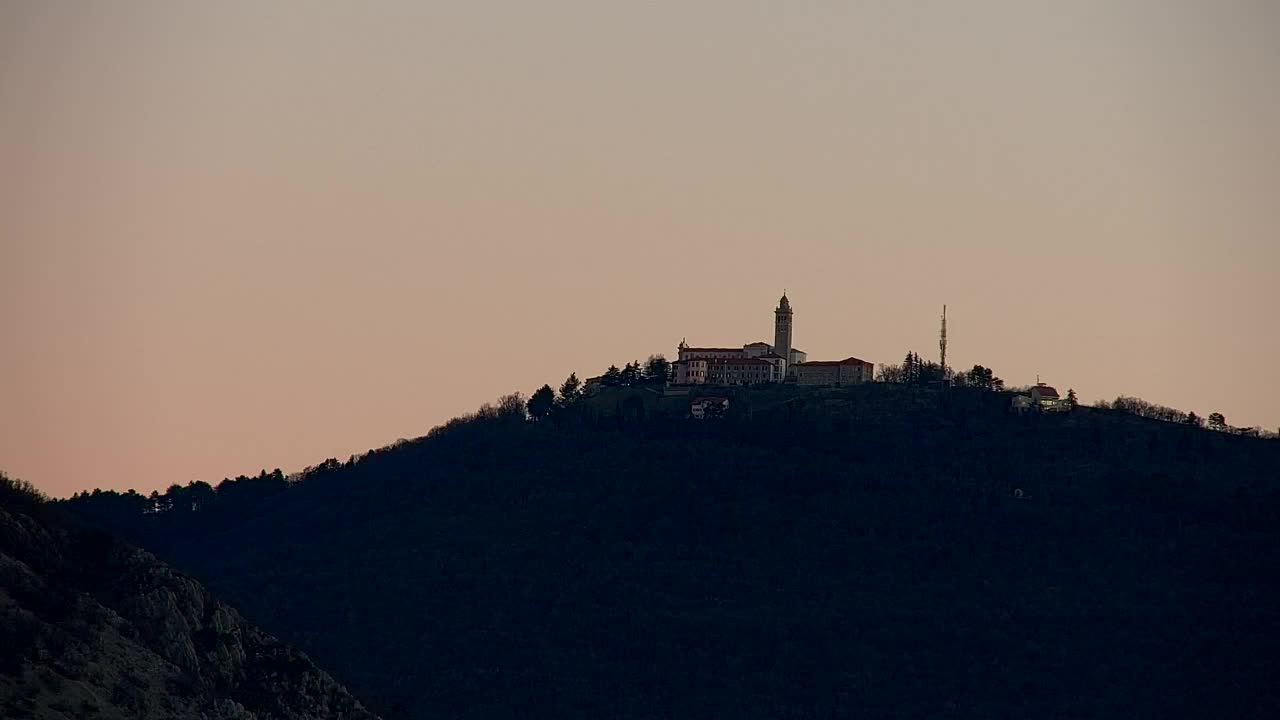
(760, 362)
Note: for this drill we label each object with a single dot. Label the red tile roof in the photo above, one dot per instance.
(1046, 391)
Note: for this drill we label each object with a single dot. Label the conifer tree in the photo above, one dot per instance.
(630, 373)
(612, 376)
(570, 390)
(541, 402)
(657, 369)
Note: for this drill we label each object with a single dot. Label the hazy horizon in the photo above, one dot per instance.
(244, 235)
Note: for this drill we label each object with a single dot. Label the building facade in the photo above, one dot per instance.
(850, 371)
(752, 363)
(760, 362)
(739, 370)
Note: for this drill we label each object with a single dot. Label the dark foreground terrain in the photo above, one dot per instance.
(93, 628)
(860, 553)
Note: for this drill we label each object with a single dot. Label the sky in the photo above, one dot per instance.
(245, 235)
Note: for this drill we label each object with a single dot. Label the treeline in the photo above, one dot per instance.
(545, 401)
(196, 504)
(19, 493)
(1215, 421)
(915, 371)
(212, 506)
(655, 371)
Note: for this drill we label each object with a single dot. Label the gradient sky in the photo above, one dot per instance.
(247, 235)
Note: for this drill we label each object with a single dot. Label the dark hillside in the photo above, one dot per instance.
(850, 552)
(93, 628)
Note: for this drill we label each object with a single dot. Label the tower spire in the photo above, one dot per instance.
(942, 343)
(782, 319)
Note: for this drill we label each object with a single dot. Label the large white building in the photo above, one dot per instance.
(757, 362)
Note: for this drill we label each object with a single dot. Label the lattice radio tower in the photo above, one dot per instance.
(942, 343)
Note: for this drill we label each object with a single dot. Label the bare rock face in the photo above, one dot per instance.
(91, 627)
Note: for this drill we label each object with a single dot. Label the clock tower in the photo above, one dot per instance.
(782, 331)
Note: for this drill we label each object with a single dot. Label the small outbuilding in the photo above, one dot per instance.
(1046, 398)
(708, 407)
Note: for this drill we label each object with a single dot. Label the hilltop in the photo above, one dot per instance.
(876, 550)
(91, 627)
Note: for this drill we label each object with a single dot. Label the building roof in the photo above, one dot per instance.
(757, 343)
(710, 350)
(771, 355)
(1046, 391)
(833, 363)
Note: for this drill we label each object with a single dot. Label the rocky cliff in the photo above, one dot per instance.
(91, 627)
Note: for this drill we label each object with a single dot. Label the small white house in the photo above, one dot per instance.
(1047, 399)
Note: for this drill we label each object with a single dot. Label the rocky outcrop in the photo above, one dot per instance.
(91, 627)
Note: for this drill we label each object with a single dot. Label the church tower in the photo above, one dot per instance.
(782, 331)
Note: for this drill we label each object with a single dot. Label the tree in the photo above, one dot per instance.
(1192, 419)
(1217, 422)
(657, 369)
(541, 402)
(911, 368)
(630, 373)
(571, 390)
(889, 373)
(1072, 400)
(928, 372)
(510, 407)
(612, 377)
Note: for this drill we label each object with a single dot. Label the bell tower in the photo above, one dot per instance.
(782, 332)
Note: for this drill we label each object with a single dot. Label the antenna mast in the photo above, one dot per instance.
(942, 343)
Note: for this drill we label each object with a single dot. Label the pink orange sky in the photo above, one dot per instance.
(247, 235)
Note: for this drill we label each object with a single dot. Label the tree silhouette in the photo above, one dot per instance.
(541, 402)
(1071, 397)
(889, 373)
(657, 369)
(983, 377)
(570, 390)
(928, 372)
(630, 374)
(1217, 422)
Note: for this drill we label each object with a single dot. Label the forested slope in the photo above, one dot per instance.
(93, 628)
(861, 552)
